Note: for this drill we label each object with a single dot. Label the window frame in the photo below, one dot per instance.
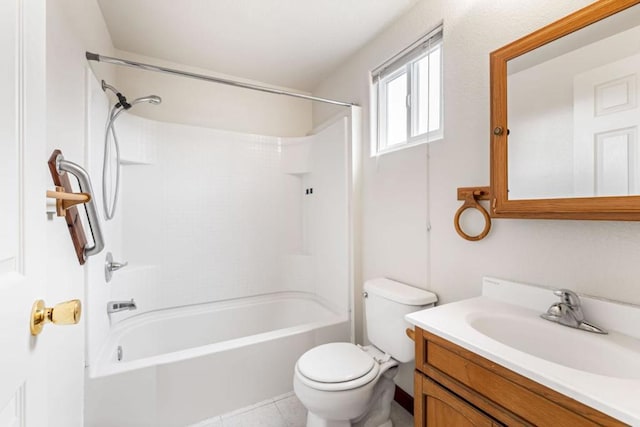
(406, 62)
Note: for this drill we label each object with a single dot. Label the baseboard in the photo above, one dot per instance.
(404, 399)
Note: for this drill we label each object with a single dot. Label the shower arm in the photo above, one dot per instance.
(84, 182)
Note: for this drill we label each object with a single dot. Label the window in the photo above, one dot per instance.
(408, 92)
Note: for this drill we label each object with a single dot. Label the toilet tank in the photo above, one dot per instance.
(385, 305)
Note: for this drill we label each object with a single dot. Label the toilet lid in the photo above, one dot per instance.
(335, 363)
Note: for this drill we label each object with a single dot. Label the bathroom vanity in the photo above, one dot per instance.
(493, 361)
(454, 386)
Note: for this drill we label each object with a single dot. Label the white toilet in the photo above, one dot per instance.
(343, 384)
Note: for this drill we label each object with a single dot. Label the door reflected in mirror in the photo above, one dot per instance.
(573, 113)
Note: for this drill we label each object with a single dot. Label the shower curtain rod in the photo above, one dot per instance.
(124, 62)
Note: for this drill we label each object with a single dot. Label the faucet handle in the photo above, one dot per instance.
(115, 266)
(110, 266)
(568, 297)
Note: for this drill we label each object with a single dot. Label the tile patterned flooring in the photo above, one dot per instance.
(285, 411)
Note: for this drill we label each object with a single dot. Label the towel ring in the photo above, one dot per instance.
(471, 197)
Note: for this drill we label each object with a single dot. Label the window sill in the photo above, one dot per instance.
(410, 144)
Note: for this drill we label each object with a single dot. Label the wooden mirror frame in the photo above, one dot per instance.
(625, 208)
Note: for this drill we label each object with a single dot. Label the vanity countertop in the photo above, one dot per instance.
(604, 374)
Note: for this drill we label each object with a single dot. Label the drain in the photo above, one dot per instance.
(119, 353)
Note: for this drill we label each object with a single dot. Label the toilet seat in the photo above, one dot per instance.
(336, 367)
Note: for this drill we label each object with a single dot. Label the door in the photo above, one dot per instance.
(23, 182)
(606, 122)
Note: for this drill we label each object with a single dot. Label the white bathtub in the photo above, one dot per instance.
(182, 365)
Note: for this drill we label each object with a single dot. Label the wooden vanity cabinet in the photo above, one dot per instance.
(456, 387)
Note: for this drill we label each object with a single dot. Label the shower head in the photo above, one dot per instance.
(122, 101)
(152, 99)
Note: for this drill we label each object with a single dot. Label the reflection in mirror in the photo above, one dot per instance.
(574, 115)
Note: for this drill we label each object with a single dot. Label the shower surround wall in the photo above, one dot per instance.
(212, 216)
(208, 215)
(219, 215)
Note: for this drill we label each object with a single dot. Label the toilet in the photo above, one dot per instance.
(343, 384)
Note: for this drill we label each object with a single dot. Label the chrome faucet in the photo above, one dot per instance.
(568, 312)
(115, 306)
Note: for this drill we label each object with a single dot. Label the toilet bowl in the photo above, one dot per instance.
(336, 382)
(343, 384)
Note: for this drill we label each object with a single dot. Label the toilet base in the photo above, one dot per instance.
(377, 414)
(315, 421)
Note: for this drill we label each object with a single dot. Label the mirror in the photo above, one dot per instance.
(569, 95)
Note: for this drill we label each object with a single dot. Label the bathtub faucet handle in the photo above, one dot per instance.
(110, 266)
(115, 266)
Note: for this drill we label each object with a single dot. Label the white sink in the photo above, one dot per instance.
(612, 355)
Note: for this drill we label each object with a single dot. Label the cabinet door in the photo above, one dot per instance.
(441, 408)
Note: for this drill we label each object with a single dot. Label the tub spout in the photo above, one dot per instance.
(115, 306)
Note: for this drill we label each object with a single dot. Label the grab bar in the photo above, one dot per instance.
(84, 181)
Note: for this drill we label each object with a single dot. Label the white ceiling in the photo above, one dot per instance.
(291, 43)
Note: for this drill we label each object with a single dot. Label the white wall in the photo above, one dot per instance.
(597, 258)
(72, 27)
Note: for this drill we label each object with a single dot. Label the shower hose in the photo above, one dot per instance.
(110, 205)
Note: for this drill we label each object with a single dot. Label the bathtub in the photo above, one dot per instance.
(178, 366)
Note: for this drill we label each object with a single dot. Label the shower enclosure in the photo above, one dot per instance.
(239, 260)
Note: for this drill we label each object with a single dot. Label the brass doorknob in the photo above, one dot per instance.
(65, 313)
